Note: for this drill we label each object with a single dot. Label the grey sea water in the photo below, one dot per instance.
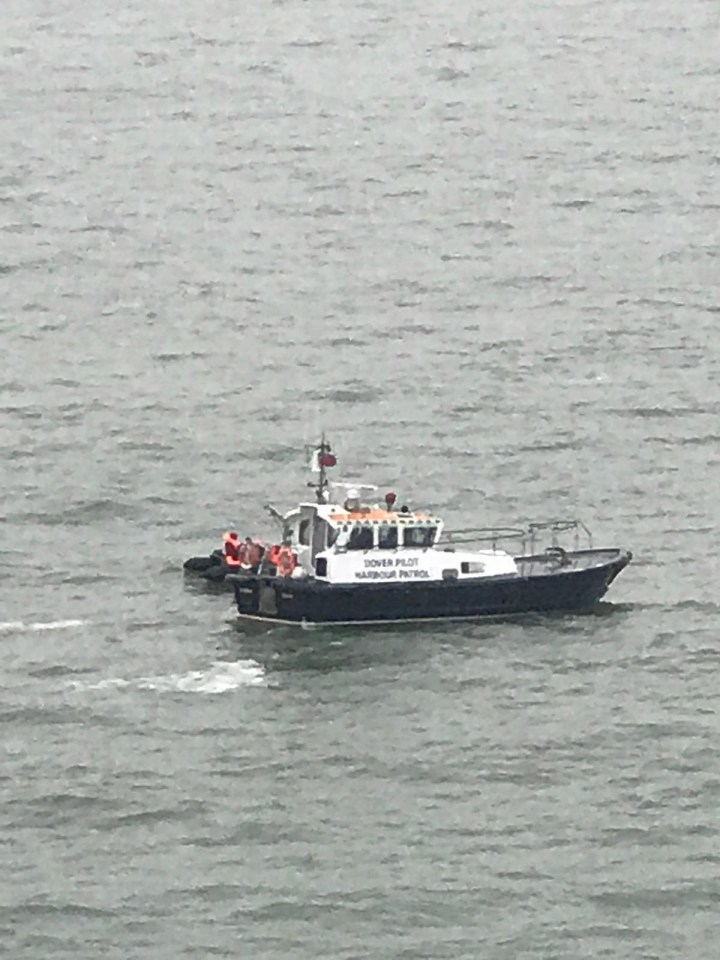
(478, 244)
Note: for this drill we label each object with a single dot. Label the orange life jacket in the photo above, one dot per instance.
(286, 561)
(231, 549)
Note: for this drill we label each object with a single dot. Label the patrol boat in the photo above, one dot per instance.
(352, 557)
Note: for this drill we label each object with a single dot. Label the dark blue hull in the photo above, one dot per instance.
(576, 586)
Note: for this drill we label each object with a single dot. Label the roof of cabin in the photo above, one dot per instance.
(337, 514)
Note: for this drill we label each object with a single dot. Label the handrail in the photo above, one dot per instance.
(559, 526)
(527, 535)
(484, 535)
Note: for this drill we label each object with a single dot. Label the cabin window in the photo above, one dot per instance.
(304, 532)
(361, 538)
(472, 566)
(387, 536)
(419, 536)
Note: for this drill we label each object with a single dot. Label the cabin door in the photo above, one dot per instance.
(319, 537)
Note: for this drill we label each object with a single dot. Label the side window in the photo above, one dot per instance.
(304, 532)
(429, 536)
(419, 536)
(361, 538)
(387, 536)
(409, 537)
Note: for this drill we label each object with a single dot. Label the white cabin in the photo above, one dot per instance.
(350, 538)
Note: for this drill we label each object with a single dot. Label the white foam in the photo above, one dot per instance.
(19, 626)
(113, 683)
(221, 677)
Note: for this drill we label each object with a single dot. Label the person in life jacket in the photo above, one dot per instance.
(286, 561)
(254, 551)
(231, 549)
(251, 553)
(273, 554)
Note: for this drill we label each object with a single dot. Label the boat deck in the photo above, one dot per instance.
(555, 560)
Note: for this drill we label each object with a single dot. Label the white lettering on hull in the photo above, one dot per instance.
(376, 575)
(392, 568)
(373, 562)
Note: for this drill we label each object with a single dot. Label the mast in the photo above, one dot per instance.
(322, 483)
(322, 458)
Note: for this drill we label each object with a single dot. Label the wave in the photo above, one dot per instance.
(221, 677)
(19, 626)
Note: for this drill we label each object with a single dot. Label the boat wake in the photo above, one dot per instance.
(19, 626)
(221, 677)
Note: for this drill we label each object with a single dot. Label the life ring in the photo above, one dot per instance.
(286, 562)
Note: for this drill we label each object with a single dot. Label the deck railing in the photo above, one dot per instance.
(534, 537)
